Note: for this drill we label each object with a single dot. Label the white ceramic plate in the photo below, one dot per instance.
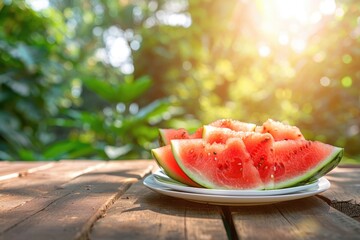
(230, 200)
(165, 181)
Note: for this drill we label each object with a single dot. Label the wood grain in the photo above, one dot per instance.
(344, 193)
(17, 192)
(107, 200)
(69, 211)
(144, 214)
(262, 222)
(309, 218)
(10, 170)
(318, 220)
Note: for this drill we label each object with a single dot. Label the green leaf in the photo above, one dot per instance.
(156, 108)
(130, 91)
(19, 87)
(27, 155)
(102, 88)
(29, 109)
(5, 156)
(9, 130)
(63, 122)
(123, 92)
(23, 53)
(67, 149)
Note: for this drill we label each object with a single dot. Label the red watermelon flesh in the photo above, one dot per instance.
(280, 131)
(165, 159)
(230, 166)
(296, 161)
(221, 135)
(167, 134)
(260, 148)
(258, 145)
(221, 166)
(287, 163)
(234, 125)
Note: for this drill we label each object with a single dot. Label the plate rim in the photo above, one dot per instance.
(270, 192)
(231, 200)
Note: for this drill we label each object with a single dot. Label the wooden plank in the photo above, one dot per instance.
(262, 222)
(345, 185)
(344, 193)
(144, 214)
(10, 170)
(69, 211)
(319, 220)
(309, 218)
(17, 192)
(3, 163)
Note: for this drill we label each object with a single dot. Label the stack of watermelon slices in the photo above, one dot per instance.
(229, 154)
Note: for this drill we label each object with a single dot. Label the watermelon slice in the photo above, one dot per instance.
(168, 134)
(303, 161)
(280, 131)
(234, 125)
(233, 166)
(234, 155)
(165, 160)
(258, 145)
(221, 166)
(260, 148)
(221, 135)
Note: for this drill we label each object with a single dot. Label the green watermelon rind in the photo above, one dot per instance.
(325, 166)
(168, 171)
(161, 164)
(162, 139)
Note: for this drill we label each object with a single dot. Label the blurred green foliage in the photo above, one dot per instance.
(59, 101)
(95, 78)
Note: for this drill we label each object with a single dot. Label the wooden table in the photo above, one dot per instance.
(107, 200)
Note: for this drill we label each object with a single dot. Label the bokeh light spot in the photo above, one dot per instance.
(347, 59)
(327, 7)
(319, 57)
(346, 81)
(283, 39)
(264, 51)
(325, 81)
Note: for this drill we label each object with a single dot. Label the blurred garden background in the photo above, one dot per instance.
(94, 79)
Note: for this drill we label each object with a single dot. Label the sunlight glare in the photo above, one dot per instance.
(38, 5)
(292, 9)
(290, 23)
(283, 39)
(327, 7)
(298, 45)
(264, 51)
